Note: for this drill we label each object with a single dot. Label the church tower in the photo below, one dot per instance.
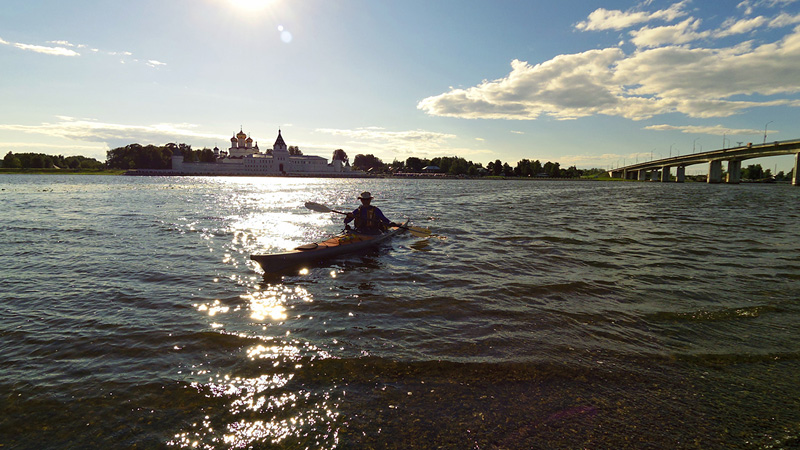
(279, 144)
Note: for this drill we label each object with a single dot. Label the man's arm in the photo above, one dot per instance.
(381, 217)
(350, 216)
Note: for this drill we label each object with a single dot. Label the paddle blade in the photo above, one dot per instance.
(317, 207)
(419, 231)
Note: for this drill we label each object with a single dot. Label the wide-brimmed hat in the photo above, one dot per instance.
(365, 196)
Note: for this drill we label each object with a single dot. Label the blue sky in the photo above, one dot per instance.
(591, 84)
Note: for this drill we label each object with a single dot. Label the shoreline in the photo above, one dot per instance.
(4, 171)
(121, 172)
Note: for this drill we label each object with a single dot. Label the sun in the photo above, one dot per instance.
(250, 5)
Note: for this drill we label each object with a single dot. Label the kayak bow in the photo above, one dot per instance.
(335, 246)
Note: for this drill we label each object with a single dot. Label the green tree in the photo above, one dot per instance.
(459, 166)
(572, 172)
(368, 163)
(207, 155)
(552, 169)
(753, 172)
(497, 168)
(415, 164)
(524, 168)
(397, 166)
(594, 172)
(294, 150)
(339, 155)
(147, 157)
(11, 161)
(187, 152)
(81, 162)
(536, 167)
(37, 162)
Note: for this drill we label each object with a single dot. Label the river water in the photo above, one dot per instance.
(541, 314)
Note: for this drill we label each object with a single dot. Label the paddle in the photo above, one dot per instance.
(416, 231)
(321, 208)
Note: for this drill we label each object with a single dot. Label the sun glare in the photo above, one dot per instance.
(251, 5)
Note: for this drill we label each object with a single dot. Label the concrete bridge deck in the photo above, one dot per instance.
(659, 170)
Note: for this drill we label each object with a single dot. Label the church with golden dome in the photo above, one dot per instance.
(242, 145)
(244, 158)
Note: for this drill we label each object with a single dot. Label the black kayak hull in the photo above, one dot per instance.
(311, 253)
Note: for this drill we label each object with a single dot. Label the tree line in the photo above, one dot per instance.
(136, 156)
(42, 161)
(456, 165)
(756, 172)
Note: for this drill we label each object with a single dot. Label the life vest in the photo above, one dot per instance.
(366, 223)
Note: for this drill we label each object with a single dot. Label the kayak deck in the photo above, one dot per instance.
(317, 251)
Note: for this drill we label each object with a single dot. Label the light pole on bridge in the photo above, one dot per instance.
(694, 143)
(765, 130)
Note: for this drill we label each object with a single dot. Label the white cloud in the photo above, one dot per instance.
(749, 5)
(783, 20)
(380, 134)
(717, 130)
(375, 140)
(732, 27)
(56, 51)
(113, 135)
(43, 146)
(697, 82)
(681, 33)
(566, 87)
(64, 43)
(60, 49)
(603, 19)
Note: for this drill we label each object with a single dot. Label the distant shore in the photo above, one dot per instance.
(61, 171)
(418, 176)
(117, 172)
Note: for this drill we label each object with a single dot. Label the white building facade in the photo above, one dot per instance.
(245, 158)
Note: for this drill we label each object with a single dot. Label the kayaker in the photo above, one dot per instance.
(369, 219)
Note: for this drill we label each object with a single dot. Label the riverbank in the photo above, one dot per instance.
(381, 176)
(61, 171)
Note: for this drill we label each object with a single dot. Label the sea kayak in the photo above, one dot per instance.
(336, 246)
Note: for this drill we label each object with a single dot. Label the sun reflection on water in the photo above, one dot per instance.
(264, 401)
(212, 309)
(262, 396)
(272, 301)
(266, 408)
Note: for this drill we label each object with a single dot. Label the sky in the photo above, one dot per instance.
(584, 83)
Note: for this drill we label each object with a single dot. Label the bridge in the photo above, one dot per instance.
(659, 170)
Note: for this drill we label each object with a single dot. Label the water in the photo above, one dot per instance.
(541, 315)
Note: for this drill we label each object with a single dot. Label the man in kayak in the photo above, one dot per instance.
(369, 219)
